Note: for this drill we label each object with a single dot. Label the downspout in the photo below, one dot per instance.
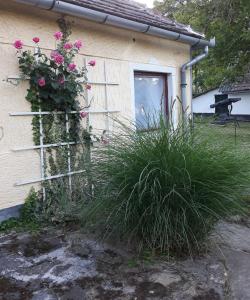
(184, 69)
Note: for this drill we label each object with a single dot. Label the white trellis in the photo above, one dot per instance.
(41, 147)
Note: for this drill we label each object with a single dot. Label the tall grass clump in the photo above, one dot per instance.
(164, 190)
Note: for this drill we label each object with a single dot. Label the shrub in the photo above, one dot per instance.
(165, 189)
(30, 209)
(29, 215)
(63, 205)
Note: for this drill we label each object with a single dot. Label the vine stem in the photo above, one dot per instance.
(42, 164)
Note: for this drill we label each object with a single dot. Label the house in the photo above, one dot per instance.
(240, 88)
(202, 102)
(141, 56)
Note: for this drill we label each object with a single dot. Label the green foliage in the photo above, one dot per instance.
(55, 86)
(228, 21)
(19, 225)
(164, 190)
(63, 203)
(29, 215)
(29, 211)
(9, 224)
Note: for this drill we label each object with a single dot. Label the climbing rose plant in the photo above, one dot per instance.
(54, 78)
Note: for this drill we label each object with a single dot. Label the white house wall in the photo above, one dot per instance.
(242, 107)
(201, 104)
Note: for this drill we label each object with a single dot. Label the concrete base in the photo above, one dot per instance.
(11, 212)
(67, 264)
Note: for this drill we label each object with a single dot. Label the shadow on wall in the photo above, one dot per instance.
(12, 212)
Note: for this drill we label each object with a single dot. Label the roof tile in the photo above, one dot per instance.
(135, 11)
(241, 84)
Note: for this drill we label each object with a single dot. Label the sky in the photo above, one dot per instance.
(148, 2)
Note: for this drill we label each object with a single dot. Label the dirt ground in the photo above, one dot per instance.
(70, 265)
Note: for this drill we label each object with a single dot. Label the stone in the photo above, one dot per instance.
(147, 289)
(238, 266)
(79, 267)
(44, 295)
(233, 235)
(81, 250)
(165, 278)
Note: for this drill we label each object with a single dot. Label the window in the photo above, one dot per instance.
(150, 98)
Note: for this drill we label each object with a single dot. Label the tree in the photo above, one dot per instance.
(229, 22)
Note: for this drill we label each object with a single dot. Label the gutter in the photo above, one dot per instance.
(104, 18)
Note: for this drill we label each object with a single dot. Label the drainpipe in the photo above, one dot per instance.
(184, 68)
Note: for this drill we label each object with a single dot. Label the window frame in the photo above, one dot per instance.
(165, 108)
(171, 73)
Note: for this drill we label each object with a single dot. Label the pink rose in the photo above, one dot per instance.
(54, 53)
(92, 63)
(58, 35)
(88, 87)
(18, 44)
(58, 59)
(68, 46)
(36, 40)
(72, 67)
(41, 82)
(84, 114)
(78, 44)
(61, 80)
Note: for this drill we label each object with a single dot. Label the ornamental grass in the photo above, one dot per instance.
(164, 190)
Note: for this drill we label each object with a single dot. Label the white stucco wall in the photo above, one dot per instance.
(242, 107)
(201, 104)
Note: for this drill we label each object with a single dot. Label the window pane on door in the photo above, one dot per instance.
(150, 98)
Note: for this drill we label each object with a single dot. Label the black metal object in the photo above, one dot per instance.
(223, 108)
(225, 103)
(220, 109)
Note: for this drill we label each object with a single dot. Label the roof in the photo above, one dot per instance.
(137, 12)
(205, 92)
(240, 85)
